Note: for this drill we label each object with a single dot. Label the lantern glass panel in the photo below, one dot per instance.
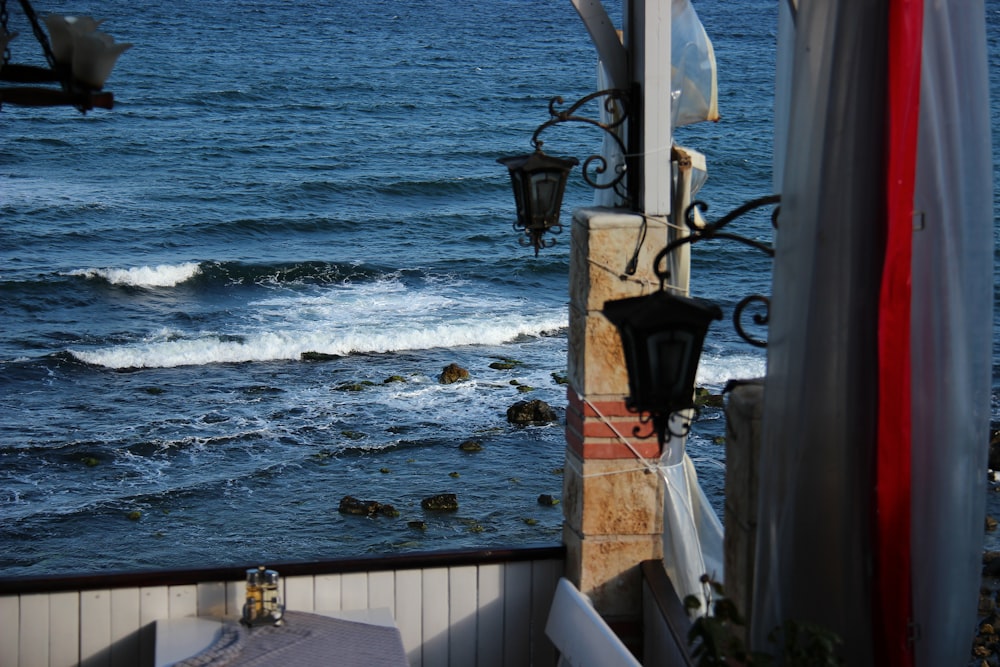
(546, 187)
(518, 185)
(672, 365)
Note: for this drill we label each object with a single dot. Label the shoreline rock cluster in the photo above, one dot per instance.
(521, 413)
(986, 645)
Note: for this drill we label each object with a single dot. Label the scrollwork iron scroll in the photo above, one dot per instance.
(714, 230)
(616, 104)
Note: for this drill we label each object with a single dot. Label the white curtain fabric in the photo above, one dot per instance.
(952, 336)
(817, 474)
(819, 417)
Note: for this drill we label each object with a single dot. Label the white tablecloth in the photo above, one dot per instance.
(304, 640)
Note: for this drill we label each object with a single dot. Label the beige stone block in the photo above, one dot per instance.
(616, 497)
(603, 242)
(607, 570)
(595, 364)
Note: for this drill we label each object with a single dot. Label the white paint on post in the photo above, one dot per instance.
(605, 37)
(653, 21)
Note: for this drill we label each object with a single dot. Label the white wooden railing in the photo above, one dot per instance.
(458, 609)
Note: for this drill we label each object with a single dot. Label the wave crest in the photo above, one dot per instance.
(168, 351)
(162, 275)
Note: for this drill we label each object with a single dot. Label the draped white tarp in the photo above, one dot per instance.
(692, 532)
(814, 558)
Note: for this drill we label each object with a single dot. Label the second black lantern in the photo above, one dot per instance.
(662, 336)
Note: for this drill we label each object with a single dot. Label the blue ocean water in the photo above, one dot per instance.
(279, 179)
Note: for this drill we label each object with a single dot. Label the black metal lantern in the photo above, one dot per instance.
(662, 336)
(539, 181)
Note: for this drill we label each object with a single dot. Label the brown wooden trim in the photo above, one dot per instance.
(669, 603)
(375, 563)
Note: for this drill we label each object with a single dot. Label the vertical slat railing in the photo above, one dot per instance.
(462, 615)
(64, 633)
(489, 614)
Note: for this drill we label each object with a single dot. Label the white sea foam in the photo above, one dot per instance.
(716, 370)
(162, 275)
(375, 317)
(291, 344)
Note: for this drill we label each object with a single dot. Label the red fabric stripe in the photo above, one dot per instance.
(893, 604)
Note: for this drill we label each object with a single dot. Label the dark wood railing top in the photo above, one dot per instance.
(374, 563)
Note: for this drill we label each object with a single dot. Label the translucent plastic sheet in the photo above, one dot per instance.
(820, 406)
(693, 80)
(694, 90)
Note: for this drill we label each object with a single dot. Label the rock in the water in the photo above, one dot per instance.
(351, 505)
(471, 446)
(991, 564)
(505, 364)
(994, 462)
(354, 386)
(531, 412)
(440, 502)
(453, 373)
(318, 356)
(704, 398)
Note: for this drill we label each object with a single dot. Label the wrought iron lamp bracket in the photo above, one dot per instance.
(616, 104)
(714, 230)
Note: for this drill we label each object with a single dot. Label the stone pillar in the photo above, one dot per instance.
(612, 504)
(743, 427)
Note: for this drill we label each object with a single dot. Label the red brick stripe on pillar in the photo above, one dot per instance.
(592, 437)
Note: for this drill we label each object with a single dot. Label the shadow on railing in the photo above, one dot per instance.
(665, 622)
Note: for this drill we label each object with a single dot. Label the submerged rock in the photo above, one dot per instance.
(318, 356)
(351, 505)
(471, 446)
(453, 373)
(704, 398)
(531, 412)
(354, 386)
(442, 502)
(505, 364)
(994, 460)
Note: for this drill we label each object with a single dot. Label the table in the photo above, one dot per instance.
(356, 638)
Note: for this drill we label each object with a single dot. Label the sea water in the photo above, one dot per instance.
(226, 303)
